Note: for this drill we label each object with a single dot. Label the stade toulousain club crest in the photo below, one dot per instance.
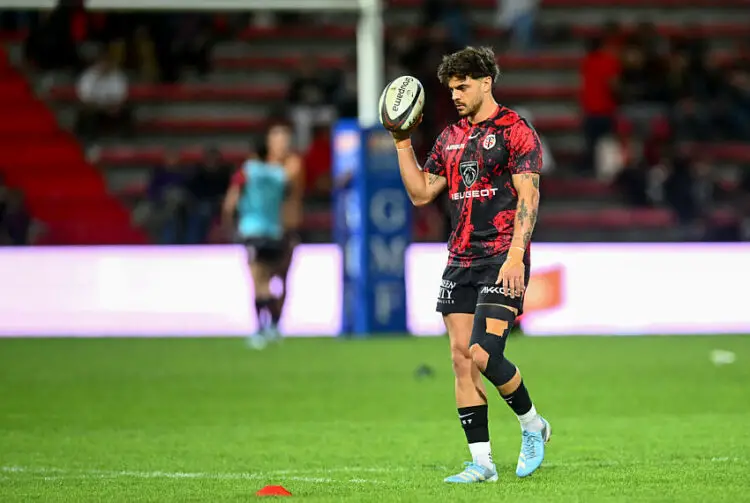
(489, 142)
(469, 172)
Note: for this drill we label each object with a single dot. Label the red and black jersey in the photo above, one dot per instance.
(478, 161)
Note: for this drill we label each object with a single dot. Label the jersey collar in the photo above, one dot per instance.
(465, 124)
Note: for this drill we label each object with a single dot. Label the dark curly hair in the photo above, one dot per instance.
(472, 62)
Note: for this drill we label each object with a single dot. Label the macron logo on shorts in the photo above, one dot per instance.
(497, 290)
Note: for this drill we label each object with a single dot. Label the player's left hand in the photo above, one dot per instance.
(511, 276)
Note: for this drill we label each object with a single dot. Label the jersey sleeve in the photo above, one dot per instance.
(525, 149)
(239, 178)
(435, 164)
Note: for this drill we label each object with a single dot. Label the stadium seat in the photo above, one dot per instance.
(212, 93)
(130, 156)
(333, 33)
(548, 61)
(618, 218)
(61, 189)
(576, 187)
(194, 92)
(202, 125)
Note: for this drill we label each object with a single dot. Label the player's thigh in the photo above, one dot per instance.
(457, 307)
(459, 326)
(289, 242)
(496, 313)
(262, 255)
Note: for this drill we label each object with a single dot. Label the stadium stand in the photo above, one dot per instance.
(253, 66)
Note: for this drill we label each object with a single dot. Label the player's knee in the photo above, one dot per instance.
(479, 356)
(461, 360)
(491, 327)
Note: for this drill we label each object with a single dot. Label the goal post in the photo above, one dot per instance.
(369, 33)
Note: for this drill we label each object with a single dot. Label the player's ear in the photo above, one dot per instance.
(487, 84)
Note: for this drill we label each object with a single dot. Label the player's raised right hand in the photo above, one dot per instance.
(404, 135)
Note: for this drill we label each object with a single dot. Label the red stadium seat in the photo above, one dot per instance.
(195, 92)
(553, 61)
(189, 125)
(718, 30)
(203, 125)
(62, 189)
(212, 93)
(609, 219)
(577, 187)
(129, 156)
(730, 152)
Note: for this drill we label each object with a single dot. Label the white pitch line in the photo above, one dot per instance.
(313, 475)
(59, 473)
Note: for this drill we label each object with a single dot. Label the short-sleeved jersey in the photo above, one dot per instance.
(261, 199)
(478, 160)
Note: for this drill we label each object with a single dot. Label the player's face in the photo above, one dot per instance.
(279, 140)
(467, 95)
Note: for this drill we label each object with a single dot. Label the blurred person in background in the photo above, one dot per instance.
(279, 151)
(345, 85)
(738, 101)
(52, 42)
(519, 18)
(318, 158)
(265, 195)
(206, 188)
(3, 204)
(103, 99)
(617, 151)
(695, 89)
(685, 186)
(549, 160)
(167, 199)
(309, 97)
(16, 222)
(193, 43)
(451, 15)
(600, 70)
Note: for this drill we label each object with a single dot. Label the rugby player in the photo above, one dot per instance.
(489, 161)
(260, 193)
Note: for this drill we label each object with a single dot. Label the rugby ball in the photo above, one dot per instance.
(401, 103)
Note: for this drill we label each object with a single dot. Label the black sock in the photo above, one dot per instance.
(474, 422)
(519, 400)
(261, 308)
(275, 310)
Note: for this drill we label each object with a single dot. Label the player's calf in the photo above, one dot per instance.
(492, 323)
(471, 402)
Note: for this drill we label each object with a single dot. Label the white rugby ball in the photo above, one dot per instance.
(401, 103)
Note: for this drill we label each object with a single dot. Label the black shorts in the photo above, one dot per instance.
(462, 288)
(290, 240)
(264, 250)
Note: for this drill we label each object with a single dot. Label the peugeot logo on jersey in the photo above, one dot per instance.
(489, 142)
(469, 172)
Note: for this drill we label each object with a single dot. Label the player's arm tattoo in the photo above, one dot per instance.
(434, 184)
(527, 186)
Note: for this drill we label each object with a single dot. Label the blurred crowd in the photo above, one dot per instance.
(648, 104)
(16, 225)
(105, 51)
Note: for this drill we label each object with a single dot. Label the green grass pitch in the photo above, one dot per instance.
(634, 420)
